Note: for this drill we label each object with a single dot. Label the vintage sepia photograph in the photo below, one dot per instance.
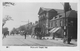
(39, 24)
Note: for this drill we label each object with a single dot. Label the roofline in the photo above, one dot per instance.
(48, 9)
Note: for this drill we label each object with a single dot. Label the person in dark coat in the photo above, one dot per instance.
(25, 34)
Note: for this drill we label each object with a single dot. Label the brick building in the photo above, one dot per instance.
(71, 22)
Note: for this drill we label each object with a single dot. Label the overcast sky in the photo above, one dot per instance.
(28, 11)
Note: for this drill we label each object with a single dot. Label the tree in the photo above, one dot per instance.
(6, 18)
(27, 28)
(4, 30)
(14, 31)
(22, 28)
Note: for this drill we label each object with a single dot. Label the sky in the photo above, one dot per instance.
(21, 12)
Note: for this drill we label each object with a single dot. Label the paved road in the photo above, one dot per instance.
(18, 40)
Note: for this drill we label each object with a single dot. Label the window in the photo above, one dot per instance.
(58, 23)
(60, 15)
(53, 23)
(62, 22)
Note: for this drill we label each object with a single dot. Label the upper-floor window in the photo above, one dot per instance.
(60, 15)
(62, 22)
(53, 23)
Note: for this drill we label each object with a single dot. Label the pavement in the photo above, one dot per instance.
(18, 40)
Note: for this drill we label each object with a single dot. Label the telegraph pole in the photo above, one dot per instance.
(47, 21)
(66, 35)
(65, 26)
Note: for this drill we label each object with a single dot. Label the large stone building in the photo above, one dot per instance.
(54, 19)
(45, 15)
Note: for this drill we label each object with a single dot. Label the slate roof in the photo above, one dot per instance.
(49, 9)
(71, 13)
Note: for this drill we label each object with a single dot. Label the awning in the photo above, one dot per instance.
(54, 30)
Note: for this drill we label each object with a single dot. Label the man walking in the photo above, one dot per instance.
(25, 34)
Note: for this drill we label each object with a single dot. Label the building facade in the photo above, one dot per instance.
(45, 15)
(71, 23)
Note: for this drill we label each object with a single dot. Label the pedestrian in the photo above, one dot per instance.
(25, 34)
(4, 35)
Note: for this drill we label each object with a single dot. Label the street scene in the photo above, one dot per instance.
(39, 24)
